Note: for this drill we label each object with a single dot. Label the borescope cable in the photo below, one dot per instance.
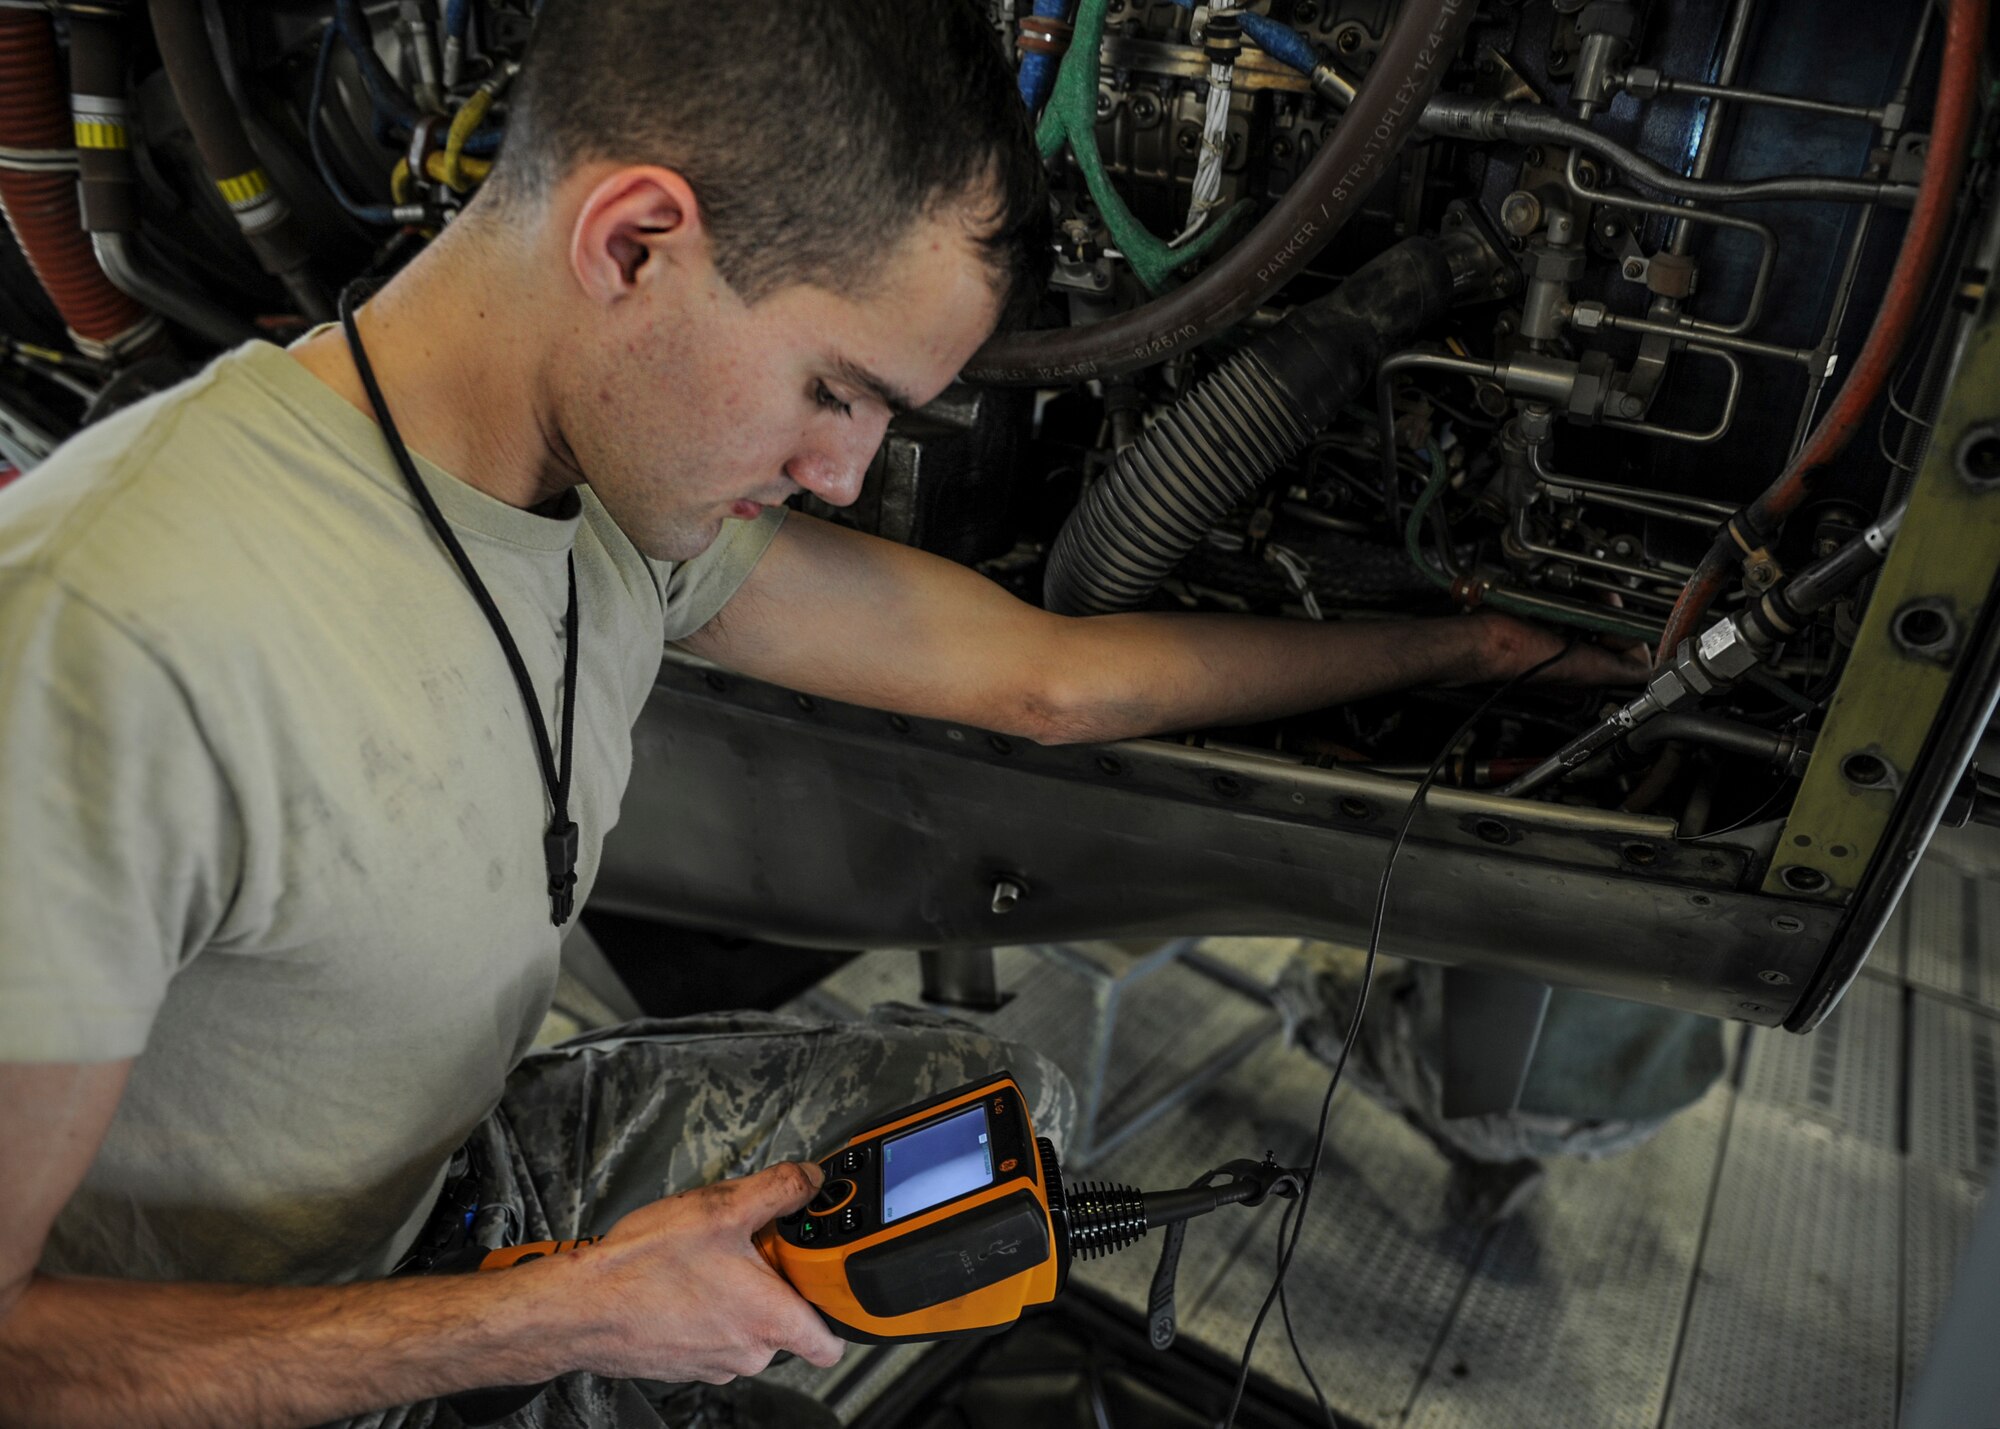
(1290, 1247)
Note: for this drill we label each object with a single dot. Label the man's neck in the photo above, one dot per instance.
(454, 343)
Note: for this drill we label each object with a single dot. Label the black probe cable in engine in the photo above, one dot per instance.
(1296, 1212)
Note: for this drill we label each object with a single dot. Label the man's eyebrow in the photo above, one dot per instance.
(894, 398)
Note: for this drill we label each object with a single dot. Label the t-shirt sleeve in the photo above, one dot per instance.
(118, 835)
(693, 591)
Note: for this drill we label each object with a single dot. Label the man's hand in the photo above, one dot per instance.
(1510, 646)
(682, 1294)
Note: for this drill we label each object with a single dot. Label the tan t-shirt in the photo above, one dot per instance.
(271, 816)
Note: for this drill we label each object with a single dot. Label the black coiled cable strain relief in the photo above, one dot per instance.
(1212, 452)
(1103, 1216)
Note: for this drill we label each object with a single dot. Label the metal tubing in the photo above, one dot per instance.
(1767, 241)
(1714, 731)
(1682, 236)
(1530, 124)
(1563, 489)
(178, 304)
(1722, 423)
(1697, 508)
(1646, 596)
(1620, 322)
(1850, 269)
(1665, 85)
(1663, 573)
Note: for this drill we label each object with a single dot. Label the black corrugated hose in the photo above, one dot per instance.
(1225, 439)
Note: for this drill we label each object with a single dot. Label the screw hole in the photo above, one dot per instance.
(1110, 764)
(1227, 785)
(1493, 831)
(1788, 923)
(1865, 770)
(899, 724)
(1773, 977)
(806, 703)
(1001, 744)
(1356, 808)
(1801, 879)
(1979, 456)
(1641, 854)
(715, 681)
(1701, 900)
(1922, 627)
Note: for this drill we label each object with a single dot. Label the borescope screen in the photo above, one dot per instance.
(931, 1165)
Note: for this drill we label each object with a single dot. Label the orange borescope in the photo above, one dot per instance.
(950, 1217)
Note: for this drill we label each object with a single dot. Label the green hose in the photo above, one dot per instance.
(1548, 608)
(1071, 116)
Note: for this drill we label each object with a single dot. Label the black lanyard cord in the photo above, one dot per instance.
(559, 844)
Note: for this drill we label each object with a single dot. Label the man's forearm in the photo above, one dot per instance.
(1127, 675)
(128, 1353)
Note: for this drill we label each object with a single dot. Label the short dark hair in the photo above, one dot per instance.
(815, 133)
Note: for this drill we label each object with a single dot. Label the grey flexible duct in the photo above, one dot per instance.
(1225, 439)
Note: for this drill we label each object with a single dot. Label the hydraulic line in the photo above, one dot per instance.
(268, 224)
(1951, 139)
(1460, 117)
(38, 192)
(1405, 74)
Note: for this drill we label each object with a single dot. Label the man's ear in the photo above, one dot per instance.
(633, 223)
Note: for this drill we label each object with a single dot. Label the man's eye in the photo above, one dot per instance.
(826, 399)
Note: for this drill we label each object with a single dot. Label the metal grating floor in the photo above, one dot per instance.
(1777, 1257)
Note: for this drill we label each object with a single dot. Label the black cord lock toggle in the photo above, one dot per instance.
(1243, 1183)
(559, 846)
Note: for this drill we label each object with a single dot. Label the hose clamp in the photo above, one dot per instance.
(1045, 35)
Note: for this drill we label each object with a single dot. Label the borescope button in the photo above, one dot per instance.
(832, 1196)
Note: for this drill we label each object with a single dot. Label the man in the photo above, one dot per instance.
(275, 924)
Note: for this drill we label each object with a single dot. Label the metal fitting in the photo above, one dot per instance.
(1671, 275)
(1520, 213)
(1725, 652)
(1641, 81)
(1547, 262)
(1587, 317)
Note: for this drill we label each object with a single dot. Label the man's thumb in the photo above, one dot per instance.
(777, 1191)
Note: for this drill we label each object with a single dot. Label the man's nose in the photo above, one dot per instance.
(834, 473)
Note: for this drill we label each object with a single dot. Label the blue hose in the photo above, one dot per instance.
(387, 96)
(1281, 42)
(365, 212)
(1038, 72)
(457, 17)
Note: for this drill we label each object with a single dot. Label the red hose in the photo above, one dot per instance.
(41, 206)
(1951, 138)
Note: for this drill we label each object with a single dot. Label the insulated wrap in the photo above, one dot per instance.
(38, 190)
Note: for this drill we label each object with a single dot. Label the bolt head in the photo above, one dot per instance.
(1520, 213)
